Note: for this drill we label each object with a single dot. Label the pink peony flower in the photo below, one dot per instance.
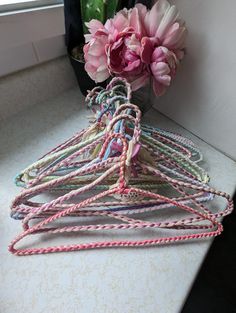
(138, 45)
(124, 54)
(115, 48)
(124, 58)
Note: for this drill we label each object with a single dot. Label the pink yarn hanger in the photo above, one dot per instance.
(111, 169)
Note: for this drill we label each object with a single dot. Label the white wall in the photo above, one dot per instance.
(30, 37)
(203, 96)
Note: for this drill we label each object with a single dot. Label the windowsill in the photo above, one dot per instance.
(40, 8)
(31, 133)
(30, 37)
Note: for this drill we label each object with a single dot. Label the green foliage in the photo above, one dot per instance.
(97, 9)
(112, 7)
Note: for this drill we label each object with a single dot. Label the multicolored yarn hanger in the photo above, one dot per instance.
(118, 169)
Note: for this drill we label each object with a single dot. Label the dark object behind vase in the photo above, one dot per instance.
(75, 37)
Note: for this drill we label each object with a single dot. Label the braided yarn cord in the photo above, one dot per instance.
(121, 174)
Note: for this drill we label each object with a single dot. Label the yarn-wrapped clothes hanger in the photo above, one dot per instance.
(19, 211)
(122, 190)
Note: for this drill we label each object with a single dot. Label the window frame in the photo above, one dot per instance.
(24, 5)
(31, 36)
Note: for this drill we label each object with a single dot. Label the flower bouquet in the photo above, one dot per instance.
(143, 46)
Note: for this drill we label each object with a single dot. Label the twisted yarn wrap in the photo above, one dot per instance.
(118, 169)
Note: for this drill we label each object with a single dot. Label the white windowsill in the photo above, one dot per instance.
(33, 9)
(24, 138)
(31, 36)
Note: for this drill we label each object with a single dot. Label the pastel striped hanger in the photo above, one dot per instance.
(118, 169)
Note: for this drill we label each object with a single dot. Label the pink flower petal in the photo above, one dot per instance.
(153, 18)
(142, 10)
(134, 21)
(181, 43)
(117, 44)
(158, 88)
(175, 36)
(164, 80)
(95, 50)
(131, 66)
(94, 61)
(101, 76)
(88, 37)
(171, 15)
(147, 49)
(91, 70)
(86, 48)
(158, 54)
(120, 21)
(94, 25)
(133, 43)
(159, 69)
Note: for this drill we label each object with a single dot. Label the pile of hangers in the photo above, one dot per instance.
(123, 175)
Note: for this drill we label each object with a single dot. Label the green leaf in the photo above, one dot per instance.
(112, 7)
(92, 9)
(98, 9)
